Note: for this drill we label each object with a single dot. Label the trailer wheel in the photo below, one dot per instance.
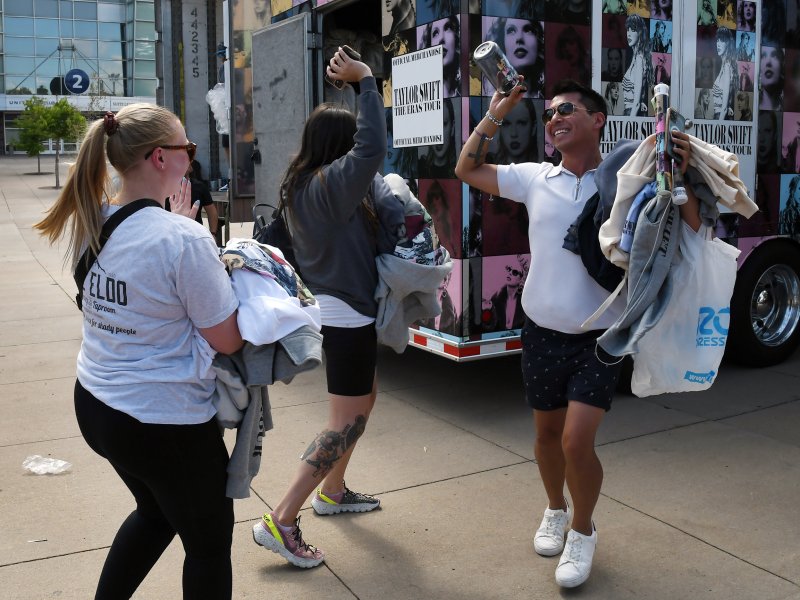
(765, 308)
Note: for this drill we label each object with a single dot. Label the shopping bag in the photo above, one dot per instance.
(683, 351)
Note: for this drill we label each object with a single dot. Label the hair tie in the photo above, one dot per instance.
(110, 123)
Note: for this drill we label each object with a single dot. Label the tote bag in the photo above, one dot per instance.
(683, 351)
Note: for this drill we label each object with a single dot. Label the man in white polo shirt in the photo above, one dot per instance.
(568, 383)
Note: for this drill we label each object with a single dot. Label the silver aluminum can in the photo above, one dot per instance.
(495, 65)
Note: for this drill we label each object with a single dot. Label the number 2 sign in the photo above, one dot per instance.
(76, 81)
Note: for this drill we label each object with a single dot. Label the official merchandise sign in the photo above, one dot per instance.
(417, 118)
(76, 81)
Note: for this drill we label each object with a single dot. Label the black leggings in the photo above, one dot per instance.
(177, 475)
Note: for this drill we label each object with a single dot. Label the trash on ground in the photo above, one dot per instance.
(42, 465)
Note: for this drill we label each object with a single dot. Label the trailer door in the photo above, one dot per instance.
(282, 98)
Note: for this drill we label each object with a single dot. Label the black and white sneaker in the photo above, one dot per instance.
(350, 502)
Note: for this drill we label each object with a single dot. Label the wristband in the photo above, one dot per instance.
(493, 119)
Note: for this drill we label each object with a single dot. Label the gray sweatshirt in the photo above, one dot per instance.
(333, 243)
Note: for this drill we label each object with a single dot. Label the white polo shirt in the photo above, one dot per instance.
(559, 294)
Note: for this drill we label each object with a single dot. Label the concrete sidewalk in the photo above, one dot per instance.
(701, 496)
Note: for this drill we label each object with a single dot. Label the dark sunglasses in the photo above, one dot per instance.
(564, 109)
(191, 150)
(514, 272)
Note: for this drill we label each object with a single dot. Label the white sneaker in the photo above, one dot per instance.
(576, 560)
(549, 538)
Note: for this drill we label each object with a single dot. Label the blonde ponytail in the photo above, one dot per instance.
(79, 205)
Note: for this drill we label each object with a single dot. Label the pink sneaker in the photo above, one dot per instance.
(289, 545)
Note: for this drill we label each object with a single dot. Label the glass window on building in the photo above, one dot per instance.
(144, 87)
(46, 28)
(111, 13)
(86, 10)
(45, 8)
(110, 50)
(46, 46)
(145, 12)
(20, 65)
(86, 48)
(144, 68)
(145, 31)
(111, 31)
(49, 69)
(19, 84)
(86, 30)
(19, 46)
(65, 8)
(145, 50)
(43, 85)
(18, 8)
(67, 30)
(19, 26)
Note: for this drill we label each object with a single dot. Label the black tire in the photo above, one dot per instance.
(765, 308)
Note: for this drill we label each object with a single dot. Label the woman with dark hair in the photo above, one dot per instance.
(613, 100)
(726, 82)
(438, 206)
(157, 304)
(745, 51)
(446, 33)
(335, 205)
(773, 23)
(767, 157)
(770, 79)
(522, 41)
(571, 50)
(704, 109)
(746, 16)
(639, 77)
(789, 217)
(505, 310)
(661, 9)
(439, 161)
(518, 141)
(660, 43)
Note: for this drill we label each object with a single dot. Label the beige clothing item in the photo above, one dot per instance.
(719, 169)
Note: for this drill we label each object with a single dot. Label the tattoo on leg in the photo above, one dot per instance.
(479, 155)
(329, 446)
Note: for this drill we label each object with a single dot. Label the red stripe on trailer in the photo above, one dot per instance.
(515, 345)
(420, 339)
(461, 352)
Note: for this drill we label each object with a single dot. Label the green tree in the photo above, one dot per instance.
(65, 124)
(34, 129)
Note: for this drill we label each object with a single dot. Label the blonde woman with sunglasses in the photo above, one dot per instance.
(157, 305)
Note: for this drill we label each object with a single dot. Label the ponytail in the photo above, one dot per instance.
(122, 140)
(79, 205)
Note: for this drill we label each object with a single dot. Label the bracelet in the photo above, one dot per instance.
(494, 119)
(483, 135)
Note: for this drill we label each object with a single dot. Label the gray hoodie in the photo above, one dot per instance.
(332, 238)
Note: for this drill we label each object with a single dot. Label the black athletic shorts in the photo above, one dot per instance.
(559, 367)
(350, 358)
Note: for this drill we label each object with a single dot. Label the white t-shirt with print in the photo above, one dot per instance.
(558, 294)
(157, 280)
